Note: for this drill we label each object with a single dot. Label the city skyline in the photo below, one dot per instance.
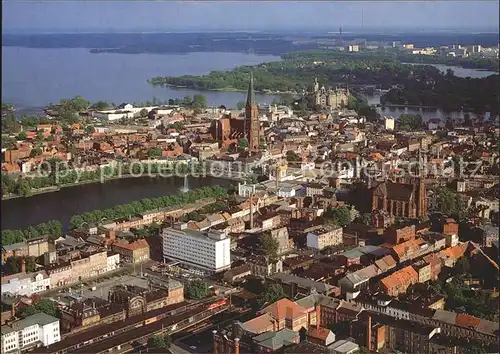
(90, 16)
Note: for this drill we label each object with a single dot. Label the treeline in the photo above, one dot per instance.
(397, 55)
(417, 84)
(448, 92)
(297, 74)
(52, 228)
(195, 101)
(147, 204)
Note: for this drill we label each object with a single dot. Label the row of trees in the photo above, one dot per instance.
(160, 341)
(410, 122)
(147, 204)
(46, 306)
(53, 229)
(198, 215)
(197, 290)
(340, 216)
(448, 202)
(15, 263)
(195, 101)
(461, 298)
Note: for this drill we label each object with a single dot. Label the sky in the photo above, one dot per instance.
(174, 16)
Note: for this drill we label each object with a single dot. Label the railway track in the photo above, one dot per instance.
(168, 325)
(164, 317)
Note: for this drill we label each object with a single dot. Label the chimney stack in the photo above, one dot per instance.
(318, 316)
(277, 178)
(23, 265)
(13, 308)
(251, 211)
(369, 333)
(214, 350)
(236, 346)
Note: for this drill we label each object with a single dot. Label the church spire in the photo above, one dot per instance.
(251, 92)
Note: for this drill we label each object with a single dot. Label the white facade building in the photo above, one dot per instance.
(40, 282)
(209, 251)
(389, 123)
(321, 238)
(113, 261)
(36, 330)
(27, 284)
(17, 286)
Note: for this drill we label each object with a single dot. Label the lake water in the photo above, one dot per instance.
(425, 113)
(33, 77)
(62, 205)
(461, 72)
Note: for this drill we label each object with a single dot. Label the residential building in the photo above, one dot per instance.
(294, 285)
(209, 251)
(435, 263)
(26, 284)
(399, 281)
(33, 331)
(381, 332)
(423, 270)
(313, 189)
(354, 282)
(389, 123)
(132, 252)
(237, 273)
(324, 237)
(113, 261)
(344, 346)
(284, 241)
(262, 266)
(34, 247)
(399, 235)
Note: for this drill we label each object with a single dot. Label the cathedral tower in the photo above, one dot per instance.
(252, 119)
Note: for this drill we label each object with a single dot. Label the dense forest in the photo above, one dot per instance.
(407, 84)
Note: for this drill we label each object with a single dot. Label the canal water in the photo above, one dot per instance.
(19, 213)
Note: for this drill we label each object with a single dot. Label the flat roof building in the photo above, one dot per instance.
(205, 250)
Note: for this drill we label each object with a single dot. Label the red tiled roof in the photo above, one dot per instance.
(465, 320)
(454, 252)
(402, 277)
(132, 246)
(284, 308)
(318, 333)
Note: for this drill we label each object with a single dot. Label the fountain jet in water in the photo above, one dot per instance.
(186, 186)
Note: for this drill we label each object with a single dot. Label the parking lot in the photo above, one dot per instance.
(101, 286)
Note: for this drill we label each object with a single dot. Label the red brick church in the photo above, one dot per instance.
(401, 199)
(228, 130)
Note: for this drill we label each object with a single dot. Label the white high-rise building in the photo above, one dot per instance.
(207, 250)
(36, 330)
